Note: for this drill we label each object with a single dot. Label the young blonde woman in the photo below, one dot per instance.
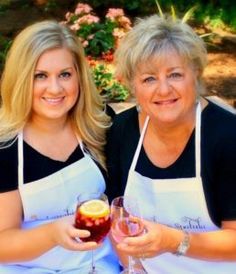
(52, 134)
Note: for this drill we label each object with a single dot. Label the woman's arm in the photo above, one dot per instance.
(213, 246)
(25, 244)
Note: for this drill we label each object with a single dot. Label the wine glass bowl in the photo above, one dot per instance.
(126, 227)
(94, 216)
(126, 222)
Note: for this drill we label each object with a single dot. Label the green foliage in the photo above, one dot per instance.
(107, 85)
(102, 37)
(50, 5)
(4, 5)
(97, 35)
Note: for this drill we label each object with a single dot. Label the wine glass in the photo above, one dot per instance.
(124, 213)
(93, 214)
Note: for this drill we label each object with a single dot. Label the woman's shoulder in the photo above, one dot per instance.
(219, 126)
(124, 125)
(127, 115)
(110, 111)
(218, 118)
(8, 166)
(8, 149)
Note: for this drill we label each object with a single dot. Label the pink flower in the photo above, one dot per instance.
(68, 16)
(124, 22)
(90, 37)
(88, 19)
(118, 33)
(114, 13)
(85, 43)
(75, 27)
(82, 8)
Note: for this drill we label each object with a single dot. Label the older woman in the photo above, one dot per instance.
(175, 153)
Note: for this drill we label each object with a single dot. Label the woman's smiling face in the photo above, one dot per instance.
(56, 85)
(165, 88)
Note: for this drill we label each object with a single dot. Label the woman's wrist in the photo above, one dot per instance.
(176, 239)
(183, 245)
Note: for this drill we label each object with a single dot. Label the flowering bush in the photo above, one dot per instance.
(107, 85)
(100, 39)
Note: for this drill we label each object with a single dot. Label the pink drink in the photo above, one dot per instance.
(125, 227)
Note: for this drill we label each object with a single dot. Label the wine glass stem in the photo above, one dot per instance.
(131, 264)
(93, 270)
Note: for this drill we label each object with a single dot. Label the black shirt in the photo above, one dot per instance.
(36, 165)
(218, 158)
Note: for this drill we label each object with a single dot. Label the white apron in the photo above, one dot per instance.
(179, 203)
(53, 197)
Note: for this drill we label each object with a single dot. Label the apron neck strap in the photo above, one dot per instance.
(21, 157)
(135, 159)
(20, 160)
(197, 142)
(82, 147)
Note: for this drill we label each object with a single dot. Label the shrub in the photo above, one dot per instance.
(100, 38)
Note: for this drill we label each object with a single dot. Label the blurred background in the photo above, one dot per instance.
(101, 24)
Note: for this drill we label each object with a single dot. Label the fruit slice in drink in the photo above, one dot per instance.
(93, 215)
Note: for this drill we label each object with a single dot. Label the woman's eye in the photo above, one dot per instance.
(40, 76)
(149, 79)
(176, 75)
(65, 74)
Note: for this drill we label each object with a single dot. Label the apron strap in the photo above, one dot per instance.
(135, 159)
(20, 160)
(82, 147)
(197, 142)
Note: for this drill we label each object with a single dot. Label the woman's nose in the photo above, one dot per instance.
(54, 86)
(163, 87)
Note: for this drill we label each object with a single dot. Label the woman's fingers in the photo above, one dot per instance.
(146, 245)
(82, 246)
(78, 233)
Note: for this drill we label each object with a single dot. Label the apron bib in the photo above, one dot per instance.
(178, 203)
(53, 197)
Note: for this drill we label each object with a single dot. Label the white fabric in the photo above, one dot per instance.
(53, 197)
(179, 203)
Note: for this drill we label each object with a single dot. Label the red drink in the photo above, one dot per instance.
(94, 216)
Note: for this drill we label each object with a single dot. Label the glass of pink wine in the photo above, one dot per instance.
(125, 216)
(93, 214)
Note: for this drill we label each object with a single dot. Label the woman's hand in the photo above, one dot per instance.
(157, 239)
(66, 235)
(213, 245)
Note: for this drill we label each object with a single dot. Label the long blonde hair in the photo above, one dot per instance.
(88, 117)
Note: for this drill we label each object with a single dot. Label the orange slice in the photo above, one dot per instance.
(94, 209)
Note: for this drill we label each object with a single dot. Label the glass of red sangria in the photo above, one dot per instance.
(93, 214)
(127, 222)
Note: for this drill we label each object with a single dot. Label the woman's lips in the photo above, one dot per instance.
(166, 102)
(53, 101)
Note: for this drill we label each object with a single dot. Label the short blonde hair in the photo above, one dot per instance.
(87, 115)
(155, 36)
